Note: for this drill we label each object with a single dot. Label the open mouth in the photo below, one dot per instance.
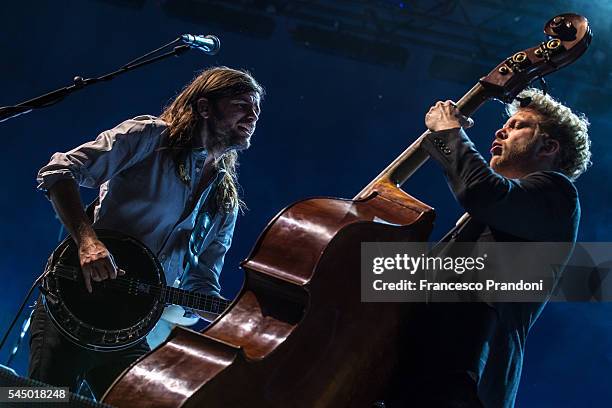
(496, 149)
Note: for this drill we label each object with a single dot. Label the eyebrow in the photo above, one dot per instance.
(521, 119)
(250, 99)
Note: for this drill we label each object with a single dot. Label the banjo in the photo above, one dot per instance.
(120, 312)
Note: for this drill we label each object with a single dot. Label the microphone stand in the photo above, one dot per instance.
(51, 98)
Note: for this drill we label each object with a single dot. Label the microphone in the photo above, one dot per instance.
(209, 44)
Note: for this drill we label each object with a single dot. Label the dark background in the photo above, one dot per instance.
(348, 84)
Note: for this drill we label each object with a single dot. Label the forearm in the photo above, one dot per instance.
(68, 205)
(468, 174)
(203, 275)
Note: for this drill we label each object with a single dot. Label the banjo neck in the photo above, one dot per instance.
(193, 300)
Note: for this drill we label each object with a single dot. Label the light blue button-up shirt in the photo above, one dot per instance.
(142, 195)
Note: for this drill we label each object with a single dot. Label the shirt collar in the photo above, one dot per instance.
(199, 152)
(198, 147)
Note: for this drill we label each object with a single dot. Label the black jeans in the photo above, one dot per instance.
(57, 361)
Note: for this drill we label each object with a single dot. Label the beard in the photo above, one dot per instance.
(223, 138)
(514, 160)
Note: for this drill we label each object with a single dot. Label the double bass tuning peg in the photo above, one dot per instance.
(562, 28)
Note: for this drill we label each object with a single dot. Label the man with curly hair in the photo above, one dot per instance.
(169, 181)
(470, 354)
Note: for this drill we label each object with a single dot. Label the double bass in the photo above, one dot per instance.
(298, 335)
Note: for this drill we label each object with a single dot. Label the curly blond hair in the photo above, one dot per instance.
(559, 122)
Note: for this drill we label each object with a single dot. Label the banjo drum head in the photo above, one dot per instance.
(120, 311)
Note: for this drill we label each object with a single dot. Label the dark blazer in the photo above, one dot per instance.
(542, 206)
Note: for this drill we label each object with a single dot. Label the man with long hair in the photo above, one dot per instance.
(470, 354)
(169, 181)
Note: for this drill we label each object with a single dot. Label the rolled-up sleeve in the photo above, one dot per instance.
(204, 276)
(95, 162)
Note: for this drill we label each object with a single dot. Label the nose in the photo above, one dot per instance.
(252, 113)
(501, 133)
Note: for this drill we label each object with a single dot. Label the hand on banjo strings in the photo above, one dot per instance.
(97, 263)
(445, 115)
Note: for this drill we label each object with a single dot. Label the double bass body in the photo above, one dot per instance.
(298, 334)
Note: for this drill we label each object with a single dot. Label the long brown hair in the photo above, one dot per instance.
(184, 123)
